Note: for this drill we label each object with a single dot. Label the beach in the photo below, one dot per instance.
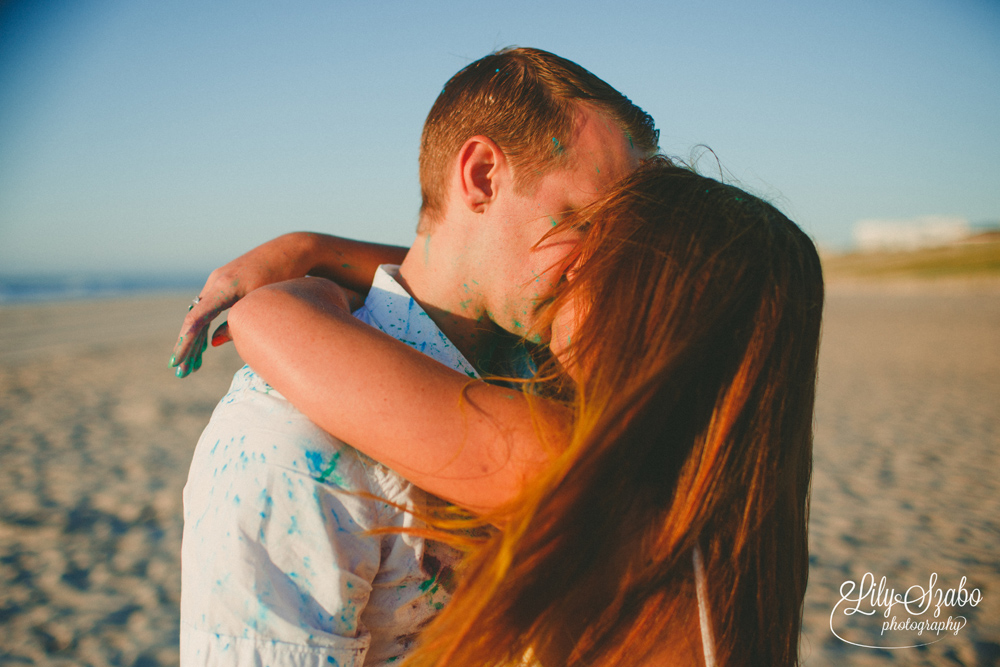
(96, 434)
(905, 466)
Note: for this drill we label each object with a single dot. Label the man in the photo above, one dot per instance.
(279, 562)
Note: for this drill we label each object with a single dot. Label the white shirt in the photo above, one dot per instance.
(276, 567)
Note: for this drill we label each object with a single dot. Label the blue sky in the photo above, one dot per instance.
(152, 136)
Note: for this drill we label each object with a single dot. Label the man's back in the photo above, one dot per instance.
(278, 566)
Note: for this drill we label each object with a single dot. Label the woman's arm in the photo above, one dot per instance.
(469, 442)
(350, 263)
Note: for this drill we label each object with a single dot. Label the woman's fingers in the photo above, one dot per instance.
(288, 256)
(200, 348)
(192, 360)
(221, 335)
(221, 291)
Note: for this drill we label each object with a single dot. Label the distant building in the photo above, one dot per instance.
(897, 235)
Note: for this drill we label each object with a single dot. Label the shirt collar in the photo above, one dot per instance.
(391, 309)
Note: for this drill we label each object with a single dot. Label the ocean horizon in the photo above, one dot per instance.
(82, 286)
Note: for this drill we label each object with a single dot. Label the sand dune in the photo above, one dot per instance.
(96, 435)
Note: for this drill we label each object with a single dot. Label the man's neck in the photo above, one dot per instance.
(436, 276)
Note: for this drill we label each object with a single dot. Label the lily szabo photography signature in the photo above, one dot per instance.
(924, 609)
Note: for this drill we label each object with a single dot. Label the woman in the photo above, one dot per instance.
(690, 325)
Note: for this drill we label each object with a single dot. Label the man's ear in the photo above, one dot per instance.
(481, 164)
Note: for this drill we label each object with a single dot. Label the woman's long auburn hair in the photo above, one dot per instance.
(696, 368)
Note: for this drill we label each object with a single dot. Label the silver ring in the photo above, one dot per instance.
(196, 301)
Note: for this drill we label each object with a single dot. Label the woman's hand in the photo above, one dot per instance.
(280, 259)
(351, 263)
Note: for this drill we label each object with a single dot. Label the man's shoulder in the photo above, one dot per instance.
(254, 427)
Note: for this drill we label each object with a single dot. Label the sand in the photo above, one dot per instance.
(906, 477)
(95, 439)
(96, 435)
